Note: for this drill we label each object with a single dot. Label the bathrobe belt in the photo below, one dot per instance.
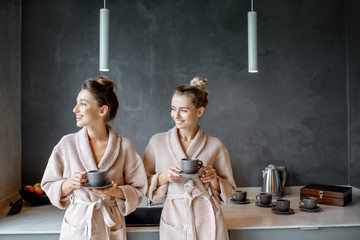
(190, 221)
(97, 205)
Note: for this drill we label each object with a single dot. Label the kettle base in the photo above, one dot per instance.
(276, 195)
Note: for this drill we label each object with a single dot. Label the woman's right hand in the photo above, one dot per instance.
(75, 181)
(169, 175)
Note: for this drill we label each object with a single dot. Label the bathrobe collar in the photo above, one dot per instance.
(175, 149)
(85, 153)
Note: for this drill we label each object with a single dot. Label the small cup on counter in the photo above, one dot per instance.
(282, 205)
(240, 195)
(264, 198)
(309, 202)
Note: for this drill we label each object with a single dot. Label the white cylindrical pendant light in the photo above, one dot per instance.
(252, 42)
(104, 40)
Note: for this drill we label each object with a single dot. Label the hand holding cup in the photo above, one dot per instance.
(169, 175)
(77, 180)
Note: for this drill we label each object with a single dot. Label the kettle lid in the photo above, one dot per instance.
(271, 166)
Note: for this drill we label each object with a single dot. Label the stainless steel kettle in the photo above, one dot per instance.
(272, 181)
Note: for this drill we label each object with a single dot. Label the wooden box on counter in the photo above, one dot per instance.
(327, 194)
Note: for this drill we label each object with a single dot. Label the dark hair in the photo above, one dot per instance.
(102, 89)
(196, 90)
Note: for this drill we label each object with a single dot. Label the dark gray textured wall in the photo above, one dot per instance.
(354, 94)
(292, 113)
(10, 84)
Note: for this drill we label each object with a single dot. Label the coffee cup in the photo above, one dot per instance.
(283, 205)
(191, 165)
(96, 178)
(240, 195)
(264, 198)
(309, 202)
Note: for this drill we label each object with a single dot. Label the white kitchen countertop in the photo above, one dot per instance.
(250, 216)
(47, 219)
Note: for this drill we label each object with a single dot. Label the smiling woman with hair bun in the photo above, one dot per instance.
(192, 206)
(95, 213)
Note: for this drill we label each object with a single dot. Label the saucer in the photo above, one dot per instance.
(106, 185)
(275, 211)
(259, 204)
(304, 209)
(239, 202)
(191, 174)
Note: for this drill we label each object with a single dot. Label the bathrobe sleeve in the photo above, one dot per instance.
(54, 177)
(135, 180)
(223, 168)
(155, 192)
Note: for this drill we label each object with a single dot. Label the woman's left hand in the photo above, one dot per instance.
(113, 191)
(209, 175)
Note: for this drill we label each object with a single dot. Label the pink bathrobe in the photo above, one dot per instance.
(88, 216)
(192, 208)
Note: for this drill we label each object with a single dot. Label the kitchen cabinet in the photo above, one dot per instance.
(345, 233)
(143, 235)
(29, 237)
(130, 236)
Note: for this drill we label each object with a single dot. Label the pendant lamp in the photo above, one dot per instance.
(252, 40)
(104, 39)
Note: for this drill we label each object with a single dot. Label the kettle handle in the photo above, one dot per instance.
(283, 172)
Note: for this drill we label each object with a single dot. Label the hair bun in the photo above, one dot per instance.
(199, 82)
(103, 80)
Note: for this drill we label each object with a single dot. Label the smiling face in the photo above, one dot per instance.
(86, 110)
(184, 112)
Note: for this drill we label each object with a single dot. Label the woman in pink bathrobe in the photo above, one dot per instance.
(192, 207)
(96, 214)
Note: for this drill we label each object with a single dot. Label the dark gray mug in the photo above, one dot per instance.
(96, 178)
(309, 202)
(240, 195)
(283, 205)
(264, 198)
(191, 165)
